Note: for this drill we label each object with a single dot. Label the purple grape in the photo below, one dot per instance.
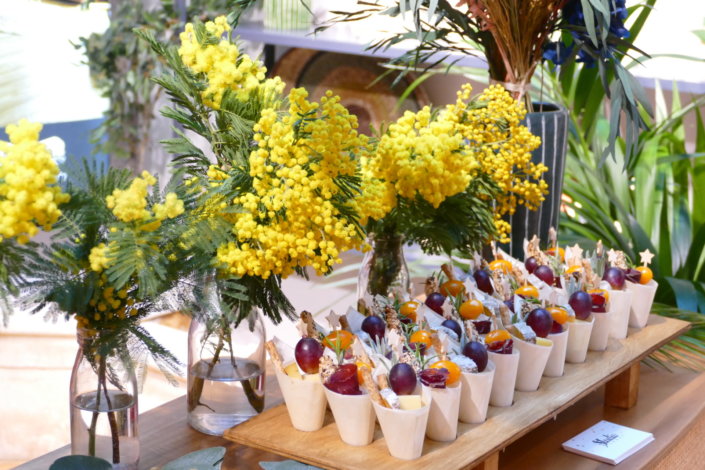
(483, 326)
(454, 326)
(344, 380)
(374, 326)
(402, 379)
(545, 273)
(478, 353)
(483, 280)
(435, 302)
(531, 264)
(540, 321)
(581, 303)
(556, 328)
(615, 277)
(308, 352)
(510, 303)
(434, 378)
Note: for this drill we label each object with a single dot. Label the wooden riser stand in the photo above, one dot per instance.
(477, 446)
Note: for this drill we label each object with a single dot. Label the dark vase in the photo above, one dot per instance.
(550, 123)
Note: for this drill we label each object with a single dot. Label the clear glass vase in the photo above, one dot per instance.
(226, 370)
(103, 395)
(384, 271)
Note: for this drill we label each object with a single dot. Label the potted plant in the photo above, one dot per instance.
(276, 199)
(515, 37)
(444, 179)
(111, 255)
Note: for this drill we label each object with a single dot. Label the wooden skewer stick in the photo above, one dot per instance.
(307, 318)
(344, 325)
(274, 354)
(448, 271)
(360, 351)
(371, 388)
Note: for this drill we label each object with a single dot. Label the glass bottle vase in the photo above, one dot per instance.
(103, 396)
(226, 371)
(384, 271)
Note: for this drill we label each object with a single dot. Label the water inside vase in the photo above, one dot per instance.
(91, 432)
(225, 394)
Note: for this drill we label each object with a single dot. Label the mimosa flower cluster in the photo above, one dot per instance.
(437, 156)
(130, 205)
(29, 194)
(502, 148)
(293, 218)
(222, 64)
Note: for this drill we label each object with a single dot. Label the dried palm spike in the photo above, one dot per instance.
(371, 388)
(360, 352)
(344, 325)
(382, 382)
(307, 318)
(505, 314)
(326, 367)
(431, 285)
(439, 347)
(497, 276)
(552, 237)
(599, 249)
(392, 319)
(274, 354)
(362, 307)
(471, 331)
(448, 271)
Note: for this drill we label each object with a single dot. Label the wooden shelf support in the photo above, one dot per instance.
(490, 463)
(623, 390)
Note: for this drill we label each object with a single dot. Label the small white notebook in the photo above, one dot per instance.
(608, 442)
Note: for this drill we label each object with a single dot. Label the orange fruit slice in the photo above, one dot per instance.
(452, 288)
(501, 264)
(528, 291)
(451, 367)
(646, 274)
(421, 336)
(497, 335)
(339, 339)
(471, 309)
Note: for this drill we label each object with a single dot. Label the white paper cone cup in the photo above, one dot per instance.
(620, 306)
(475, 394)
(505, 376)
(556, 361)
(532, 363)
(443, 417)
(642, 300)
(579, 333)
(403, 430)
(305, 401)
(354, 417)
(600, 331)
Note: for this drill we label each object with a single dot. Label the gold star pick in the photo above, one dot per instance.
(333, 319)
(646, 257)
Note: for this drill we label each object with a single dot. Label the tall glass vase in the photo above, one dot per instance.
(384, 271)
(226, 369)
(103, 396)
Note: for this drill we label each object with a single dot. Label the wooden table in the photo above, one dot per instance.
(165, 435)
(669, 404)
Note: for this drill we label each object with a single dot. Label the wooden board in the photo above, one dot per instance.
(272, 430)
(670, 405)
